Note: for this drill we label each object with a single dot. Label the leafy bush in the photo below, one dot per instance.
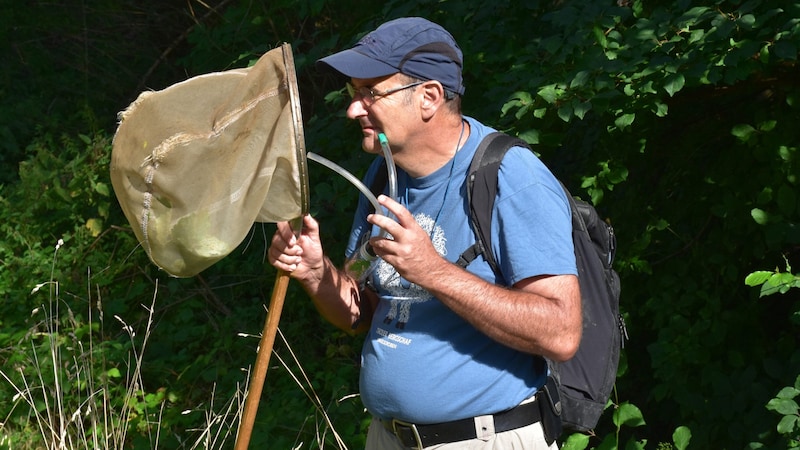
(199, 345)
(677, 119)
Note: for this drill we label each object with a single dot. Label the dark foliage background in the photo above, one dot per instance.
(677, 119)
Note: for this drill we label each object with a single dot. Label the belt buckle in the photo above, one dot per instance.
(398, 425)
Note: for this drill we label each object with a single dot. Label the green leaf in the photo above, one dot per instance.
(334, 96)
(600, 37)
(565, 112)
(763, 55)
(548, 93)
(628, 415)
(580, 108)
(508, 105)
(788, 393)
(518, 99)
(787, 424)
(580, 79)
(609, 443)
(681, 437)
(523, 97)
(530, 136)
(674, 83)
(625, 120)
(113, 373)
(781, 281)
(743, 131)
(102, 189)
(696, 35)
(617, 175)
(629, 90)
(647, 88)
(522, 111)
(747, 20)
(783, 406)
(767, 289)
(633, 444)
(95, 226)
(576, 441)
(757, 278)
(767, 125)
(661, 109)
(760, 216)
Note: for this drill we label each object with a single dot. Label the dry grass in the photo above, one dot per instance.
(70, 397)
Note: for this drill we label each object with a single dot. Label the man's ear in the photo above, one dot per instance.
(433, 98)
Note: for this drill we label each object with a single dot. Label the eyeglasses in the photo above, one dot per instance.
(368, 95)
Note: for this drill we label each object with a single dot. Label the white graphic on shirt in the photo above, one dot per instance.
(390, 339)
(401, 293)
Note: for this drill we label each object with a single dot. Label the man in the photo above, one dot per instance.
(448, 361)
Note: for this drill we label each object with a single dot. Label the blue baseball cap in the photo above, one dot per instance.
(411, 45)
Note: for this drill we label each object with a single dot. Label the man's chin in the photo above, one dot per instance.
(370, 144)
(371, 150)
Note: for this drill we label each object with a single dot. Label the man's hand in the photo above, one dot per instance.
(300, 255)
(409, 250)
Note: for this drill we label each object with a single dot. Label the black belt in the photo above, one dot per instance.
(420, 436)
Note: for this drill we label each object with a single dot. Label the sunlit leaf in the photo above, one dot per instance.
(102, 189)
(788, 392)
(783, 406)
(576, 441)
(628, 415)
(681, 437)
(548, 93)
(760, 216)
(757, 278)
(787, 424)
(95, 226)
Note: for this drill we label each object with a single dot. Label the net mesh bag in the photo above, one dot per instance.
(193, 166)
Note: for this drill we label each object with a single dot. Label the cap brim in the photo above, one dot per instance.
(353, 64)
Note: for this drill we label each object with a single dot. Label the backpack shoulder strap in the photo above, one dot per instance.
(481, 192)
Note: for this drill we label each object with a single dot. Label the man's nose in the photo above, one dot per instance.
(356, 108)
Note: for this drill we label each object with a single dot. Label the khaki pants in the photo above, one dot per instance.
(530, 437)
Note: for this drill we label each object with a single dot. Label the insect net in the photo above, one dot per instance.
(195, 165)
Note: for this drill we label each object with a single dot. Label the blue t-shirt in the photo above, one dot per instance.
(423, 363)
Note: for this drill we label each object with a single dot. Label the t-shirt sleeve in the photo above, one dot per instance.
(532, 222)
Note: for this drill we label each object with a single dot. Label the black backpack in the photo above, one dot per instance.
(583, 384)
